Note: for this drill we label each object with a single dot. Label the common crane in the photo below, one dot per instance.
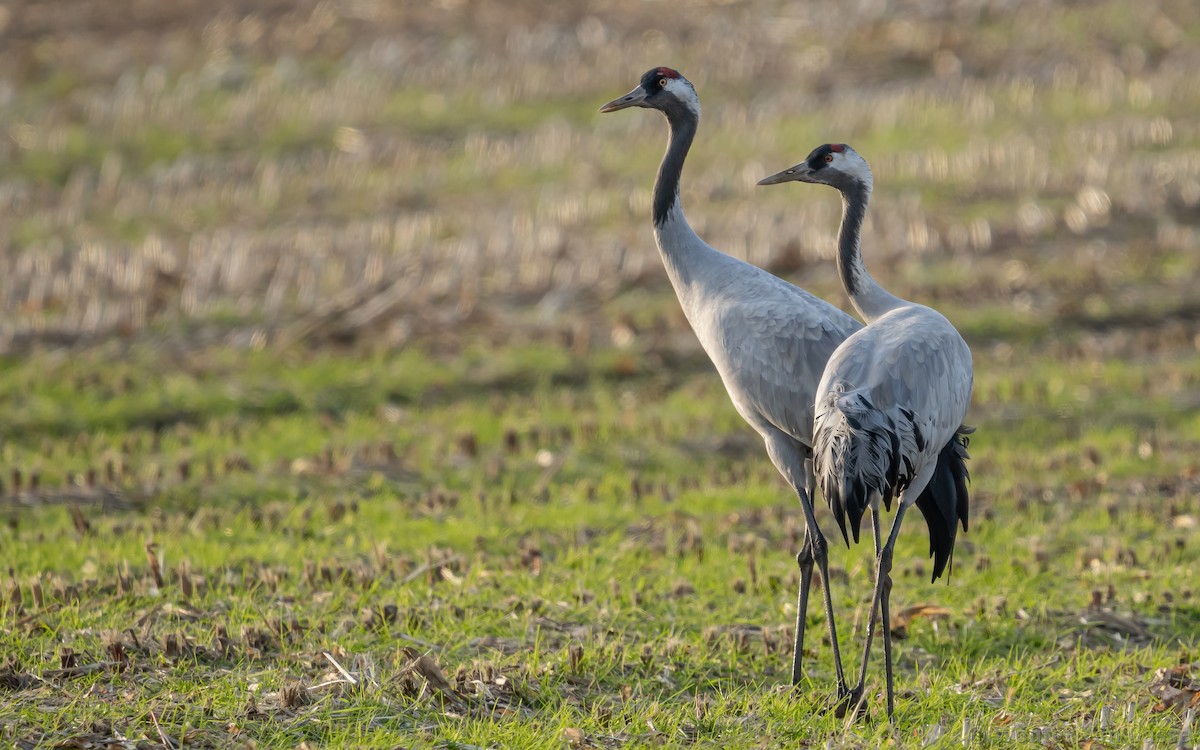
(769, 339)
(889, 406)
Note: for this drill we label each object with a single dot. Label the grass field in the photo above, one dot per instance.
(344, 402)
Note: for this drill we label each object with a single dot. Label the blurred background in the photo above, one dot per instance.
(376, 173)
(187, 182)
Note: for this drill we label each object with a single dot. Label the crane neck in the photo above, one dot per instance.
(682, 123)
(686, 257)
(868, 297)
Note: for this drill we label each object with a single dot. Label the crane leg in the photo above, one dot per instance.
(853, 699)
(805, 560)
(818, 549)
(881, 599)
(885, 605)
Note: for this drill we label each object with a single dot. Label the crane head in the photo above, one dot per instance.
(833, 164)
(661, 88)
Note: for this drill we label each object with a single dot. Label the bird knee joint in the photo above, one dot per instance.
(819, 547)
(885, 561)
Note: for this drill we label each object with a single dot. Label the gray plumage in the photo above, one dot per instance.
(768, 339)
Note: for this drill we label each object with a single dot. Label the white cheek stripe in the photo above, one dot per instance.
(685, 93)
(855, 166)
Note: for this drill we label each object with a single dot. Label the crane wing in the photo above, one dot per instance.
(775, 348)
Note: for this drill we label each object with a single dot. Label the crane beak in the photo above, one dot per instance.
(799, 173)
(635, 98)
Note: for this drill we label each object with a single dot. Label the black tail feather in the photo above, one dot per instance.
(893, 479)
(849, 509)
(944, 501)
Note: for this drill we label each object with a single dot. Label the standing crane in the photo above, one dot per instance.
(889, 406)
(768, 339)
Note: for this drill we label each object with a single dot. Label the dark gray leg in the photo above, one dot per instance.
(880, 598)
(805, 560)
(796, 465)
(854, 699)
(885, 603)
(818, 549)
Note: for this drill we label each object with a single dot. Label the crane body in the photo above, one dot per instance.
(889, 406)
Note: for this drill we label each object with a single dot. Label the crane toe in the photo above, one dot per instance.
(852, 700)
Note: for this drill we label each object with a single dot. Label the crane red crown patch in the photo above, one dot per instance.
(667, 72)
(837, 148)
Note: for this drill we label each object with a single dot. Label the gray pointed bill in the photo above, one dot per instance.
(634, 98)
(799, 173)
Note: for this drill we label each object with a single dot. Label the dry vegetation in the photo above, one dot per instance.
(343, 400)
(318, 168)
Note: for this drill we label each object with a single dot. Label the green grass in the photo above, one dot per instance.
(612, 571)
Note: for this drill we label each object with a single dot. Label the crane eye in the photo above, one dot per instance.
(828, 157)
(662, 83)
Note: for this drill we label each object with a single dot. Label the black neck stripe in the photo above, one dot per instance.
(683, 123)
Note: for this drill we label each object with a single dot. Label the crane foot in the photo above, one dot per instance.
(851, 700)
